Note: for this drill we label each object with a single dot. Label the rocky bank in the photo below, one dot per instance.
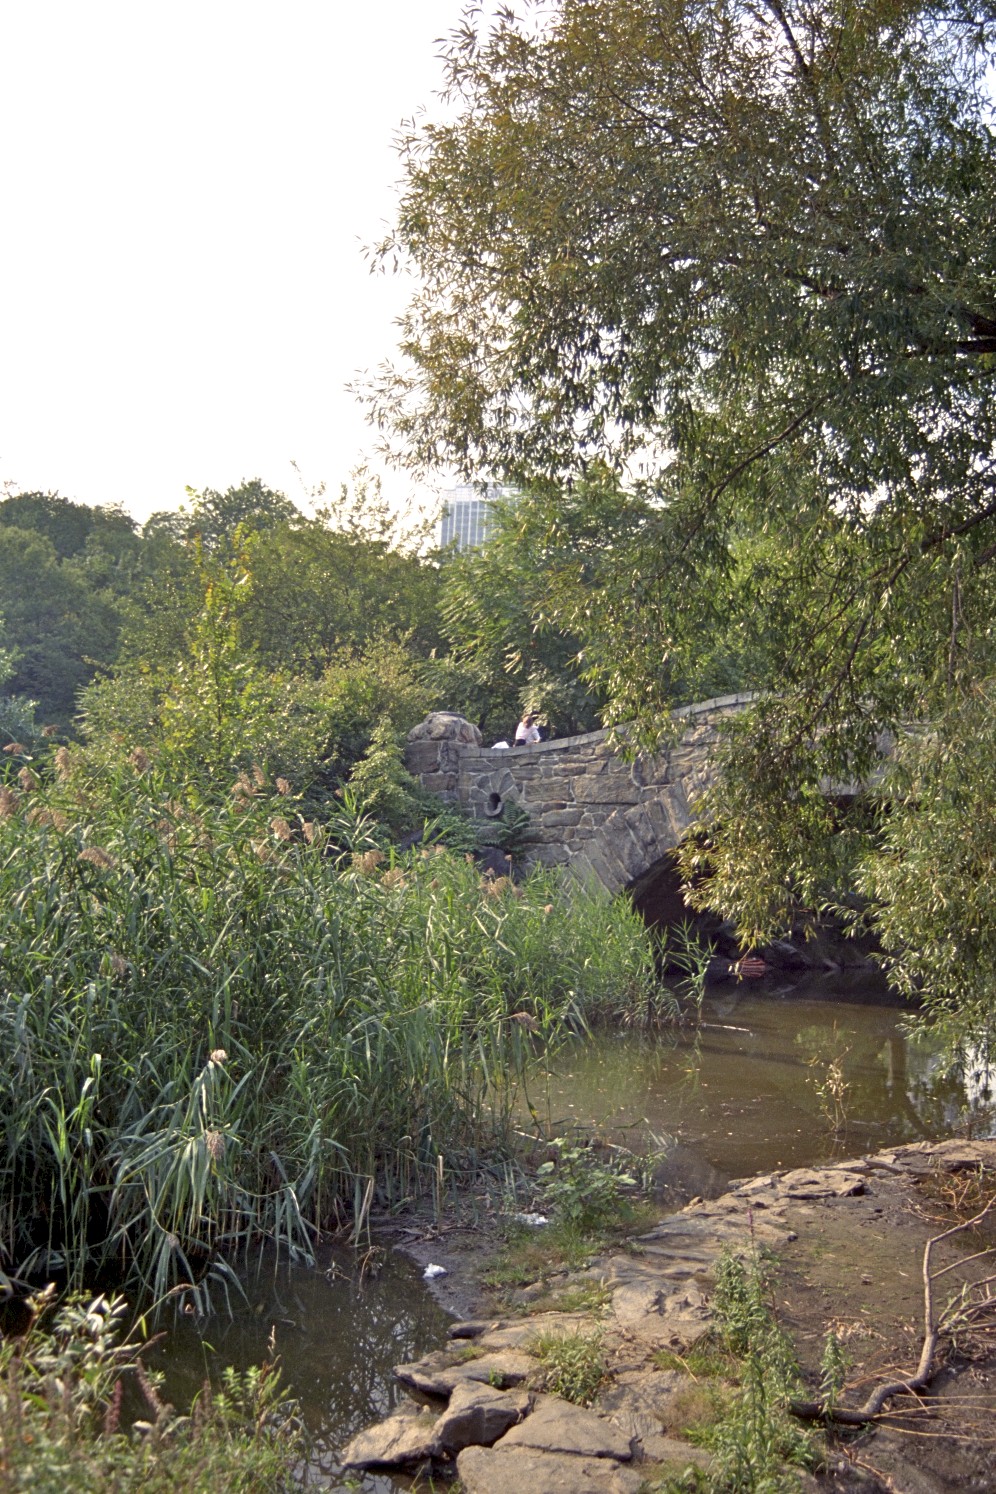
(849, 1239)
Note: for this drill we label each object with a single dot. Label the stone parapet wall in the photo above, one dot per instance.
(607, 816)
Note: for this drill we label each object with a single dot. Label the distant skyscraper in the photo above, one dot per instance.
(467, 516)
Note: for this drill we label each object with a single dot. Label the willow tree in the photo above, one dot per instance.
(744, 252)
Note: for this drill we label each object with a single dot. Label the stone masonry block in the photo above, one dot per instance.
(439, 783)
(591, 862)
(661, 822)
(559, 815)
(610, 788)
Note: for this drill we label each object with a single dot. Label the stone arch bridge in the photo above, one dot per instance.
(607, 818)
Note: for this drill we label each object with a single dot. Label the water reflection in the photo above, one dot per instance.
(766, 1081)
(751, 1089)
(337, 1337)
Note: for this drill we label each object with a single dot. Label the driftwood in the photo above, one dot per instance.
(975, 1307)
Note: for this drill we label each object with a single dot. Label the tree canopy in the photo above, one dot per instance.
(743, 253)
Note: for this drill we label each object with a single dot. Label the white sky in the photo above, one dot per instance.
(184, 192)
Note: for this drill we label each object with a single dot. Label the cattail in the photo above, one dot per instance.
(140, 760)
(217, 1055)
(50, 731)
(16, 749)
(8, 803)
(63, 762)
(283, 787)
(526, 1020)
(27, 780)
(261, 850)
(96, 857)
(60, 821)
(243, 787)
(367, 862)
(119, 965)
(259, 776)
(310, 831)
(547, 909)
(280, 828)
(40, 817)
(112, 1416)
(215, 1143)
(394, 877)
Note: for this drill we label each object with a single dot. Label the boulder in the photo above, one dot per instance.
(441, 1373)
(478, 1415)
(558, 1426)
(407, 1436)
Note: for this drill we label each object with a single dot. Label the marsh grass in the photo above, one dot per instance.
(573, 1365)
(215, 1032)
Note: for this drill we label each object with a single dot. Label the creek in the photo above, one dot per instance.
(770, 1078)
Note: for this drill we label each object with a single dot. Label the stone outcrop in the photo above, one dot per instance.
(609, 817)
(477, 1415)
(506, 1433)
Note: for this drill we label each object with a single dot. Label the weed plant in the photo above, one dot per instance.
(583, 1193)
(573, 1365)
(80, 1414)
(756, 1442)
(218, 1023)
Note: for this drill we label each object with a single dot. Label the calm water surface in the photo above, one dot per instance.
(739, 1095)
(767, 1080)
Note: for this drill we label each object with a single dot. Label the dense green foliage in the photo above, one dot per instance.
(63, 1431)
(221, 1020)
(742, 256)
(496, 603)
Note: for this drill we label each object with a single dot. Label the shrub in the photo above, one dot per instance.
(63, 1429)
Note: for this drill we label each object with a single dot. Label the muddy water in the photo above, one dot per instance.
(337, 1330)
(766, 1080)
(769, 1079)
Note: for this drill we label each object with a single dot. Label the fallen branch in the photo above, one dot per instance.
(962, 1313)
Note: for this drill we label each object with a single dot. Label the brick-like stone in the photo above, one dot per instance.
(438, 783)
(553, 853)
(610, 788)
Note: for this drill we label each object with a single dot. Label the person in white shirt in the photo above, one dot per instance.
(527, 731)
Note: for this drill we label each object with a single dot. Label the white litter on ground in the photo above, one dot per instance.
(431, 1272)
(533, 1219)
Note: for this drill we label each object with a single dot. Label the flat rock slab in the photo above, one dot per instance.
(441, 1373)
(638, 1403)
(407, 1436)
(470, 1328)
(656, 1310)
(557, 1426)
(478, 1415)
(521, 1335)
(496, 1470)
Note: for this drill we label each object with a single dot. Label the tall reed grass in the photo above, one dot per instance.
(212, 1030)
